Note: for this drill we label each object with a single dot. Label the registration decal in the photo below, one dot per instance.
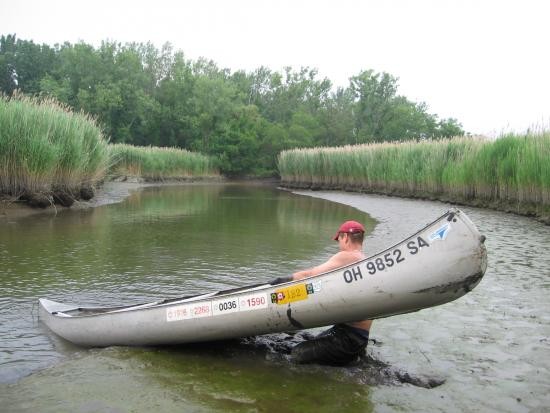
(180, 312)
(229, 305)
(314, 287)
(290, 294)
(253, 302)
(188, 311)
(394, 257)
(441, 233)
(217, 307)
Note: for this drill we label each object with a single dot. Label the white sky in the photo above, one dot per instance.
(484, 62)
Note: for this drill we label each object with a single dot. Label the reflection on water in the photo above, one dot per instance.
(162, 242)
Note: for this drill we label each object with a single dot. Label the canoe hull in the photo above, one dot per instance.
(440, 263)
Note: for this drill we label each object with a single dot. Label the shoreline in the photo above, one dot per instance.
(528, 210)
(117, 190)
(110, 192)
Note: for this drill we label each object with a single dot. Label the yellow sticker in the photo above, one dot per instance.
(290, 294)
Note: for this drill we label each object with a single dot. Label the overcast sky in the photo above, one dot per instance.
(483, 62)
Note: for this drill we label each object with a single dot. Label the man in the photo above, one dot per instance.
(342, 343)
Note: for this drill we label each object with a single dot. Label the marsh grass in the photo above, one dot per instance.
(513, 170)
(47, 148)
(154, 163)
(49, 153)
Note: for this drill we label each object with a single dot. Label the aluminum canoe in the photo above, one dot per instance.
(440, 263)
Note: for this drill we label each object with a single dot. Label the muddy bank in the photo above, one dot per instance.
(110, 192)
(537, 211)
(117, 188)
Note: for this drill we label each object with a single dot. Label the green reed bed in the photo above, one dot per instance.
(47, 152)
(154, 163)
(511, 172)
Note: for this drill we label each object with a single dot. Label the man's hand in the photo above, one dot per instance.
(280, 280)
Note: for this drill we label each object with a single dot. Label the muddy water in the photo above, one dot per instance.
(488, 351)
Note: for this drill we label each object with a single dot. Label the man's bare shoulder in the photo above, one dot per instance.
(348, 257)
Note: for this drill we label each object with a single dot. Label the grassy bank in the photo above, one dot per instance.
(49, 154)
(510, 173)
(157, 164)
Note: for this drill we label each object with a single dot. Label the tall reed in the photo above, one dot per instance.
(46, 148)
(154, 163)
(513, 169)
(49, 153)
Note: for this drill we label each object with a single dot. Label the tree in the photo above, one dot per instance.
(407, 120)
(450, 127)
(8, 74)
(237, 146)
(149, 96)
(211, 104)
(336, 117)
(23, 64)
(374, 94)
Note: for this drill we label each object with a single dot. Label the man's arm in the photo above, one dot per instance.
(336, 261)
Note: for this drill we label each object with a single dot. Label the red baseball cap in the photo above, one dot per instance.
(349, 227)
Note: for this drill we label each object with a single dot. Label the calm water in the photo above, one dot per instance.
(490, 349)
(160, 242)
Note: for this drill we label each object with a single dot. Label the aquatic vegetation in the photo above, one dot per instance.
(513, 170)
(156, 163)
(51, 154)
(48, 151)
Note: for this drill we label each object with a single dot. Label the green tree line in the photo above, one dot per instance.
(143, 95)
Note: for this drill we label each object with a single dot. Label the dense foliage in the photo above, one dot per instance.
(512, 169)
(50, 154)
(154, 163)
(145, 96)
(47, 149)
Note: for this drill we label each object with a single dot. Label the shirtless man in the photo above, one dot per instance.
(342, 343)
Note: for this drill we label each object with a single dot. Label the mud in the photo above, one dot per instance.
(368, 369)
(540, 212)
(492, 346)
